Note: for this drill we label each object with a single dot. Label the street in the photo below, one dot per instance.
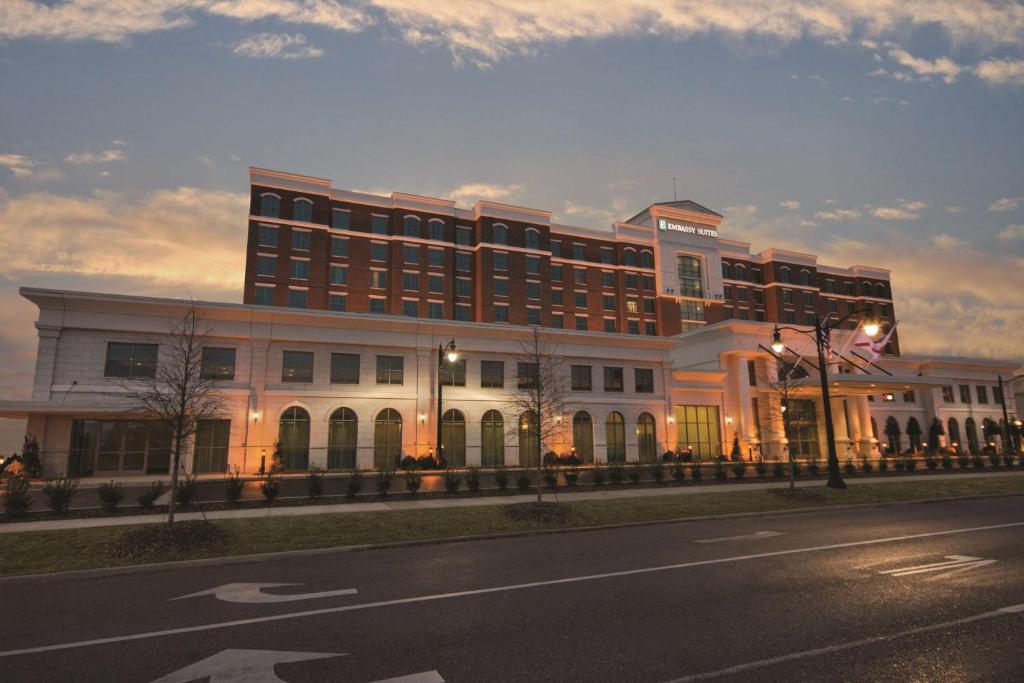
(931, 591)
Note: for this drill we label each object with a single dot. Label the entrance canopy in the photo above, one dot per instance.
(861, 385)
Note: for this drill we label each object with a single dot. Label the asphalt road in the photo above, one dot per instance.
(914, 592)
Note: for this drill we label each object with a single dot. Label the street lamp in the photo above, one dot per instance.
(1008, 445)
(449, 352)
(822, 332)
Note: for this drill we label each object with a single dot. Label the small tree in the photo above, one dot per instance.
(935, 430)
(540, 395)
(178, 398)
(30, 457)
(736, 454)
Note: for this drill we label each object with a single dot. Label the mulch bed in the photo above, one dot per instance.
(182, 537)
(546, 513)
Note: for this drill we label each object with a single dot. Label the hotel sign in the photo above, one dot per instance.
(688, 229)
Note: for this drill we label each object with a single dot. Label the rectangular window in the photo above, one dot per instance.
(338, 303)
(556, 248)
(997, 394)
(830, 286)
(965, 393)
(463, 237)
(982, 395)
(344, 368)
(789, 317)
(533, 316)
(650, 328)
(744, 314)
(390, 369)
(266, 265)
(808, 300)
(379, 224)
(130, 360)
(607, 279)
(218, 363)
(378, 304)
(758, 296)
(610, 325)
(501, 314)
(436, 256)
(265, 296)
(297, 366)
(633, 326)
(339, 246)
(410, 281)
(527, 375)
(698, 427)
(435, 310)
(760, 316)
(608, 302)
(436, 230)
(453, 374)
(787, 296)
(268, 236)
(556, 297)
(689, 273)
(300, 240)
(613, 379)
(648, 305)
(909, 397)
(556, 272)
(492, 374)
(947, 394)
(339, 275)
(644, 380)
(581, 323)
(752, 373)
(580, 376)
(578, 252)
(532, 290)
(379, 279)
(298, 298)
(607, 255)
(501, 286)
(463, 261)
(340, 219)
(727, 313)
(378, 251)
(631, 281)
(691, 310)
(533, 265)
(410, 308)
(648, 282)
(462, 312)
(580, 299)
(500, 260)
(435, 284)
(632, 304)
(809, 319)
(300, 269)
(462, 286)
(411, 254)
(579, 276)
(557, 321)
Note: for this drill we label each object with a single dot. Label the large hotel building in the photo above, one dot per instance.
(663, 327)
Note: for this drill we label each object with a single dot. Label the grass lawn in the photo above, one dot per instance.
(51, 551)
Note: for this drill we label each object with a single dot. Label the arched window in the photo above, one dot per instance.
(972, 435)
(784, 275)
(646, 438)
(270, 205)
(411, 226)
(739, 272)
(629, 257)
(880, 290)
(914, 433)
(726, 271)
(293, 439)
(435, 229)
(647, 259)
(387, 439)
(805, 277)
(341, 440)
(528, 439)
(532, 238)
(499, 234)
(453, 438)
(866, 288)
(953, 432)
(492, 439)
(615, 437)
(583, 436)
(302, 210)
(892, 435)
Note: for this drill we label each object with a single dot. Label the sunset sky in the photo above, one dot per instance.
(876, 132)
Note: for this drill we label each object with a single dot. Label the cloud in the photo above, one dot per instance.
(276, 46)
(790, 204)
(947, 242)
(894, 214)
(578, 213)
(943, 67)
(1001, 71)
(83, 158)
(1006, 204)
(1012, 233)
(839, 215)
(23, 167)
(469, 193)
(914, 206)
(956, 209)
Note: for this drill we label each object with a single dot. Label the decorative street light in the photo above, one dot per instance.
(449, 352)
(822, 336)
(1008, 444)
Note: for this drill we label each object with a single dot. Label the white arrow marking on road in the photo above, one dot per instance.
(745, 537)
(253, 593)
(954, 564)
(425, 677)
(236, 666)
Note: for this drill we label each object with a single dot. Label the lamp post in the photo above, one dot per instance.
(443, 350)
(1008, 446)
(822, 332)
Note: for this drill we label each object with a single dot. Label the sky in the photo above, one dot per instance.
(878, 132)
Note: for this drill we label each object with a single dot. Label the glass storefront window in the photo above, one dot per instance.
(698, 427)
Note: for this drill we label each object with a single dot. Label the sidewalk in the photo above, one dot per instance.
(607, 493)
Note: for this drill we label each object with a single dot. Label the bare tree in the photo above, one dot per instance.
(178, 398)
(540, 396)
(790, 376)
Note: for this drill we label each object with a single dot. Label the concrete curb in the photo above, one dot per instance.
(307, 552)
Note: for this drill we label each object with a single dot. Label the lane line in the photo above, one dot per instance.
(740, 668)
(494, 589)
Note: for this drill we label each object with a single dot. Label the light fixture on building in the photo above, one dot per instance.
(423, 417)
(255, 416)
(671, 419)
(871, 329)
(777, 345)
(728, 419)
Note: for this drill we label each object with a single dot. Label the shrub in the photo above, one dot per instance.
(473, 479)
(185, 490)
(978, 462)
(316, 482)
(233, 487)
(900, 464)
(739, 469)
(657, 471)
(994, 458)
(413, 480)
(599, 476)
(110, 496)
(947, 462)
(451, 481)
(678, 473)
(911, 464)
(615, 474)
(778, 470)
(572, 476)
(550, 458)
(501, 479)
(931, 463)
(384, 480)
(148, 499)
(570, 460)
(425, 462)
(59, 493)
(668, 456)
(523, 482)
(354, 485)
(962, 461)
(849, 467)
(719, 470)
(30, 459)
(270, 486)
(1008, 459)
(813, 467)
(636, 470)
(696, 474)
(883, 465)
(16, 500)
(865, 465)
(408, 463)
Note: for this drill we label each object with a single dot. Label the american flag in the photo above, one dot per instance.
(825, 335)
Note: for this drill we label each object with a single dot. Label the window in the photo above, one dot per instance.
(650, 328)
(629, 257)
(744, 314)
(784, 275)
(500, 260)
(583, 436)
(556, 273)
(267, 236)
(643, 379)
(648, 305)
(787, 296)
(379, 224)
(741, 294)
(130, 360)
(758, 297)
(947, 394)
(615, 437)
(492, 439)
(647, 259)
(580, 375)
(557, 321)
(390, 369)
(435, 310)
(379, 279)
(270, 205)
(435, 230)
(909, 397)
(579, 276)
(463, 261)
(727, 313)
(387, 439)
(462, 286)
(339, 246)
(529, 440)
(610, 325)
(833, 306)
(297, 366)
(344, 368)
(462, 312)
(300, 240)
(533, 265)
(211, 446)
(499, 234)
(411, 254)
(410, 308)
(339, 275)
(410, 281)
(501, 313)
(378, 251)
(607, 278)
(501, 286)
(463, 237)
(293, 438)
(632, 304)
(726, 271)
(302, 211)
(411, 226)
(533, 290)
(808, 299)
(453, 374)
(689, 276)
(982, 395)
(581, 323)
(741, 272)
(631, 281)
(809, 319)
(633, 326)
(578, 252)
(266, 265)
(608, 301)
(698, 428)
(435, 256)
(300, 269)
(218, 363)
(556, 297)
(342, 433)
(802, 428)
(607, 255)
(613, 379)
(435, 284)
(378, 304)
(805, 278)
(691, 310)
(532, 239)
(265, 296)
(338, 303)
(340, 219)
(556, 248)
(492, 374)
(124, 446)
(580, 299)
(527, 375)
(297, 298)
(965, 393)
(648, 282)
(752, 373)
(830, 286)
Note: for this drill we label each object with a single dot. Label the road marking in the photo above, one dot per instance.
(495, 589)
(954, 564)
(253, 593)
(425, 677)
(236, 666)
(744, 537)
(740, 668)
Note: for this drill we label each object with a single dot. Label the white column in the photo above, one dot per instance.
(425, 431)
(46, 361)
(864, 413)
(839, 427)
(746, 428)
